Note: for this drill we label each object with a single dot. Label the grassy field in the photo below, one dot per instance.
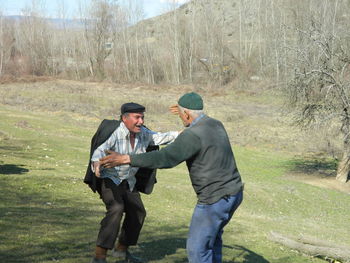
(47, 214)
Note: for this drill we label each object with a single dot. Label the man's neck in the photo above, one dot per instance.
(196, 119)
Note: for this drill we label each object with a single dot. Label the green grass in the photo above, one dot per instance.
(47, 214)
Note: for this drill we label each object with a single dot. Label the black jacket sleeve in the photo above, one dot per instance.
(104, 130)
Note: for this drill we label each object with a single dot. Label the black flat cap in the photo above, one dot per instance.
(131, 107)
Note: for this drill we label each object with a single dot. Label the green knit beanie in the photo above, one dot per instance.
(191, 101)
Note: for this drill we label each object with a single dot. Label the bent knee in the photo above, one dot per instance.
(115, 208)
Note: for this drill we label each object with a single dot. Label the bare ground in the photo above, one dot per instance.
(319, 180)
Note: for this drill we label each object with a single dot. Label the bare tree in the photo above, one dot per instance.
(34, 40)
(173, 30)
(100, 31)
(134, 13)
(2, 44)
(319, 91)
(7, 48)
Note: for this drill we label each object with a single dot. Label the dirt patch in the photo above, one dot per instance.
(328, 182)
(23, 124)
(3, 136)
(7, 79)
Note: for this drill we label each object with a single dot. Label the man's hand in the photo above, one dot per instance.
(114, 159)
(97, 169)
(174, 109)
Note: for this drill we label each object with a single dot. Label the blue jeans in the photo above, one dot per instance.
(204, 242)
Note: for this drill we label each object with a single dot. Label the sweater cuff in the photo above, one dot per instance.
(132, 159)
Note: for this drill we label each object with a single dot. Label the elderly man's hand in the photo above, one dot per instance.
(96, 168)
(114, 159)
(174, 109)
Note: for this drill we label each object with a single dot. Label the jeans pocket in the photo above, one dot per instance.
(201, 206)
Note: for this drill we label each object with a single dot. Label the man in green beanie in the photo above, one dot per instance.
(206, 148)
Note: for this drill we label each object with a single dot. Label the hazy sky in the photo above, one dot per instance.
(14, 7)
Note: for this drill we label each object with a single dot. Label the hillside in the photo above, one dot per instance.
(225, 11)
(48, 214)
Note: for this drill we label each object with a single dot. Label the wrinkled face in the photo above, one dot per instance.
(133, 121)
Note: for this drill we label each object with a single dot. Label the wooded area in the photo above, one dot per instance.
(202, 40)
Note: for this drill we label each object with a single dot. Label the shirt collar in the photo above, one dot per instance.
(197, 119)
(125, 131)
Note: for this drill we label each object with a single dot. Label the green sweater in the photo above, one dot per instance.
(207, 151)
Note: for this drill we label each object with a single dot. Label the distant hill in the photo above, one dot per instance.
(56, 22)
(224, 13)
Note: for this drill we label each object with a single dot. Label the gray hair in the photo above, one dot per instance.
(193, 113)
(126, 114)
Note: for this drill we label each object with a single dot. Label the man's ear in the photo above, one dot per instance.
(186, 115)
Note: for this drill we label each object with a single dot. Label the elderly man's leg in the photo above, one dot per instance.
(233, 203)
(135, 214)
(201, 233)
(204, 244)
(217, 248)
(111, 195)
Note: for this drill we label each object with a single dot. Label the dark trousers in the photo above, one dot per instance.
(118, 200)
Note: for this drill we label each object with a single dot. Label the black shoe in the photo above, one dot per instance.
(98, 260)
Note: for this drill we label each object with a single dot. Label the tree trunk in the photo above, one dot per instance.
(314, 248)
(344, 168)
(1, 44)
(344, 165)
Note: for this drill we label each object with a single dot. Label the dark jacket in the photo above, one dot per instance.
(145, 178)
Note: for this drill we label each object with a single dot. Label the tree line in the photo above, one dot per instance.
(204, 40)
(210, 40)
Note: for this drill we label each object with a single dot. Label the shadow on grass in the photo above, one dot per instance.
(30, 234)
(167, 248)
(17, 148)
(38, 225)
(160, 247)
(314, 166)
(13, 169)
(247, 256)
(11, 149)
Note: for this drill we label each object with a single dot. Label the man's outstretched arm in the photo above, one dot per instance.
(184, 147)
(114, 159)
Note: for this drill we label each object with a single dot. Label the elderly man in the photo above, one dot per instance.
(116, 186)
(206, 148)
